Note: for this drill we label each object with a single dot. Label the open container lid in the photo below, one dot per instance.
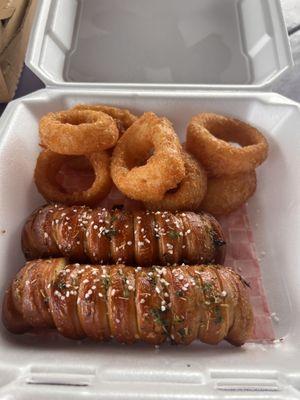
(207, 44)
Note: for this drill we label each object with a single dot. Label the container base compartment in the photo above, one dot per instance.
(31, 362)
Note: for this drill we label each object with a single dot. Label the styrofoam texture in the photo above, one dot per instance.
(52, 367)
(207, 44)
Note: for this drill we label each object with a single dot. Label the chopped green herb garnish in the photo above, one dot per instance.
(157, 315)
(61, 285)
(106, 282)
(218, 319)
(179, 293)
(207, 287)
(152, 280)
(218, 315)
(109, 232)
(173, 234)
(178, 319)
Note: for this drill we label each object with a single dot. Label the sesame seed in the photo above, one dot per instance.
(163, 308)
(113, 292)
(142, 301)
(157, 289)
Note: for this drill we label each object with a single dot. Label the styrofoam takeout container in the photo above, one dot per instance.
(53, 367)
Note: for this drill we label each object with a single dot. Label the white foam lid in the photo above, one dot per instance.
(172, 43)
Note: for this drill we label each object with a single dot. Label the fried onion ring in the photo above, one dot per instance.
(207, 139)
(147, 160)
(123, 117)
(190, 191)
(48, 166)
(227, 193)
(78, 132)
